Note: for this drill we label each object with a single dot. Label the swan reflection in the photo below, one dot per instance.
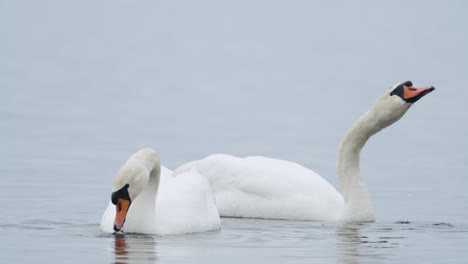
(134, 249)
(349, 242)
(353, 246)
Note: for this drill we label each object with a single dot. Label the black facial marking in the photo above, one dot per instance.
(408, 83)
(399, 89)
(122, 193)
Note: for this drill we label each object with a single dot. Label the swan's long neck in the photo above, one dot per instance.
(356, 196)
(150, 192)
(142, 210)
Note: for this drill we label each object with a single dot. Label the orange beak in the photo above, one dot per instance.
(410, 92)
(121, 209)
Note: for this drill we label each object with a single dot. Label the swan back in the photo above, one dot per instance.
(261, 187)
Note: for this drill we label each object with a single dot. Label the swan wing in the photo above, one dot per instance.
(186, 204)
(260, 187)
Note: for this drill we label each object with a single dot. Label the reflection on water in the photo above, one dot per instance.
(352, 246)
(241, 241)
(120, 250)
(269, 241)
(348, 243)
(134, 249)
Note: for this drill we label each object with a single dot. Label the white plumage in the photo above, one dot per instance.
(182, 204)
(260, 187)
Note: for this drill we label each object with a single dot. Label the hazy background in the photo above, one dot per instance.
(84, 84)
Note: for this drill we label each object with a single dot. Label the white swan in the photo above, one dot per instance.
(184, 204)
(260, 187)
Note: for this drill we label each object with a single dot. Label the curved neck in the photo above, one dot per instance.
(356, 196)
(151, 188)
(142, 209)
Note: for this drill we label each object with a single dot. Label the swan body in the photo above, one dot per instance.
(260, 187)
(159, 203)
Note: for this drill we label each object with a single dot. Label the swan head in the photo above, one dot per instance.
(408, 93)
(131, 180)
(396, 100)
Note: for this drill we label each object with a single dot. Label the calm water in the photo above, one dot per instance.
(244, 240)
(84, 85)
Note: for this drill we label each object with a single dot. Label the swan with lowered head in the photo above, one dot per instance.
(260, 187)
(147, 198)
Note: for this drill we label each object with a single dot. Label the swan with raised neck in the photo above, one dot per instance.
(260, 187)
(389, 108)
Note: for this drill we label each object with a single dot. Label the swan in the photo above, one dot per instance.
(184, 204)
(261, 187)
